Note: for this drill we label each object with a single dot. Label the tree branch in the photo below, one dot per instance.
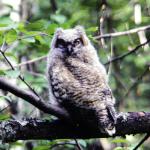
(135, 30)
(141, 142)
(34, 100)
(31, 61)
(120, 57)
(136, 122)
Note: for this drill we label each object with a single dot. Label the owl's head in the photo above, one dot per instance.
(69, 41)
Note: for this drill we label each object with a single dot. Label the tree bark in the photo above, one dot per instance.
(12, 130)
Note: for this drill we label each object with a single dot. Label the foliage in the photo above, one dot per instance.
(30, 38)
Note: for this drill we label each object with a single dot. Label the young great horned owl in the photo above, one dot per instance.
(78, 81)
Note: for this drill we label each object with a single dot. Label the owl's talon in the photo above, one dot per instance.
(123, 115)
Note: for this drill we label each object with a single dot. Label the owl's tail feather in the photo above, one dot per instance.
(107, 126)
(107, 119)
(110, 129)
(112, 113)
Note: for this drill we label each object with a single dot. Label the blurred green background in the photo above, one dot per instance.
(26, 30)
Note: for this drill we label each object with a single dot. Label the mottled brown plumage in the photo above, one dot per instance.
(78, 81)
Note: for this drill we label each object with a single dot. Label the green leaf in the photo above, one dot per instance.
(2, 97)
(120, 141)
(51, 28)
(2, 72)
(6, 20)
(92, 29)
(40, 39)
(29, 39)
(37, 25)
(11, 36)
(4, 116)
(21, 27)
(9, 54)
(18, 143)
(44, 147)
(12, 73)
(1, 39)
(119, 148)
(59, 18)
(3, 25)
(82, 142)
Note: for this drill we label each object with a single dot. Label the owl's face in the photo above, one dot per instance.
(69, 41)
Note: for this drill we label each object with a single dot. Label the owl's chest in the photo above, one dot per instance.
(75, 81)
(76, 73)
(86, 74)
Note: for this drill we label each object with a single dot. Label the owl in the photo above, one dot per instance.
(78, 80)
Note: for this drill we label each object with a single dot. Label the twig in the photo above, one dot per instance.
(53, 5)
(135, 30)
(101, 21)
(20, 77)
(29, 36)
(136, 81)
(30, 61)
(77, 144)
(4, 108)
(126, 54)
(142, 141)
(37, 74)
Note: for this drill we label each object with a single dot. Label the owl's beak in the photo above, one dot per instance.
(70, 48)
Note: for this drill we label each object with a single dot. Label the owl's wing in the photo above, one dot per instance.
(110, 101)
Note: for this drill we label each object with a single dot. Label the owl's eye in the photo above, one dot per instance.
(77, 42)
(60, 43)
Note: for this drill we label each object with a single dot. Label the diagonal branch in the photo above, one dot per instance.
(141, 142)
(34, 100)
(20, 77)
(135, 83)
(126, 54)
